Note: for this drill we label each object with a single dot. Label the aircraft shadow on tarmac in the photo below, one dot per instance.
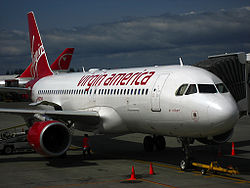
(106, 148)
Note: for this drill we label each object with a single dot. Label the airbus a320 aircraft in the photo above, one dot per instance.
(177, 101)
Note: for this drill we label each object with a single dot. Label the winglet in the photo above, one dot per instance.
(40, 66)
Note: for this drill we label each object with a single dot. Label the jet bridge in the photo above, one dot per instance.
(234, 70)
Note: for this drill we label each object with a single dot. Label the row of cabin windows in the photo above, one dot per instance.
(99, 92)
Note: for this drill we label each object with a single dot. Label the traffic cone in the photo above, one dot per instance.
(132, 174)
(151, 170)
(233, 151)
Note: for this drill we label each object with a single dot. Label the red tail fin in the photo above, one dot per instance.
(39, 66)
(61, 63)
(27, 72)
(63, 60)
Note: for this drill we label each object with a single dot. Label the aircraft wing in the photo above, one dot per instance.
(91, 117)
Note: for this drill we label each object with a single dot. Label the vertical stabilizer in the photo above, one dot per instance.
(39, 66)
(60, 64)
(63, 61)
(27, 72)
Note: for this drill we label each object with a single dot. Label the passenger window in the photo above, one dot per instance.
(222, 88)
(191, 89)
(180, 91)
(146, 92)
(142, 92)
(207, 88)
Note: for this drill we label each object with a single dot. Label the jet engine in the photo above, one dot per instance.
(218, 139)
(50, 138)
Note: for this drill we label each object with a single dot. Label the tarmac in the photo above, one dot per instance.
(112, 158)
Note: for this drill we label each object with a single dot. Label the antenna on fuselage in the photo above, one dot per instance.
(181, 62)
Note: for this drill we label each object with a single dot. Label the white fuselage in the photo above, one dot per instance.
(143, 100)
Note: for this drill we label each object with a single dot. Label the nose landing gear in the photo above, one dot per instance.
(156, 141)
(186, 162)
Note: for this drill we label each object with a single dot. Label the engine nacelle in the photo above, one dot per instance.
(50, 138)
(218, 139)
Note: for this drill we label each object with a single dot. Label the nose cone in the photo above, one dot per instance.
(223, 114)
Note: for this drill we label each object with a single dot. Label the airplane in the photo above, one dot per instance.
(61, 64)
(177, 101)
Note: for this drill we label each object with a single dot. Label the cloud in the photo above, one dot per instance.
(143, 41)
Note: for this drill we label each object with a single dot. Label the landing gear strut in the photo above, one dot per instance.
(185, 163)
(157, 141)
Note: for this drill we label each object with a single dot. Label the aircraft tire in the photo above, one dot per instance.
(203, 171)
(184, 165)
(148, 144)
(160, 143)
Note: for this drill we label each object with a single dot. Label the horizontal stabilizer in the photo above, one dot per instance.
(15, 90)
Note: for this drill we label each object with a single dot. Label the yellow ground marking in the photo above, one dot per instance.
(157, 183)
(158, 164)
(73, 147)
(13, 127)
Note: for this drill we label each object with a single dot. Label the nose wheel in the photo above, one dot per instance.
(185, 163)
(157, 142)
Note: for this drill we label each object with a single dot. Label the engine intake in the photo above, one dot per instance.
(50, 138)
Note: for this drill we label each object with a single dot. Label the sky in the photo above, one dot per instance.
(125, 33)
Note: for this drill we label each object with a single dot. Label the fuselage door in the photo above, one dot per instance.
(156, 92)
(92, 95)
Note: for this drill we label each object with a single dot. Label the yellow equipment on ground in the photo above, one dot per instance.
(214, 167)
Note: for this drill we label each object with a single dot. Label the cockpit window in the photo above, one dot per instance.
(207, 88)
(180, 91)
(222, 88)
(191, 89)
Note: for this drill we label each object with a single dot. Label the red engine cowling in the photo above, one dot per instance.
(50, 138)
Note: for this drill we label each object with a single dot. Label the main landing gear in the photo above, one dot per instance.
(156, 141)
(186, 162)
